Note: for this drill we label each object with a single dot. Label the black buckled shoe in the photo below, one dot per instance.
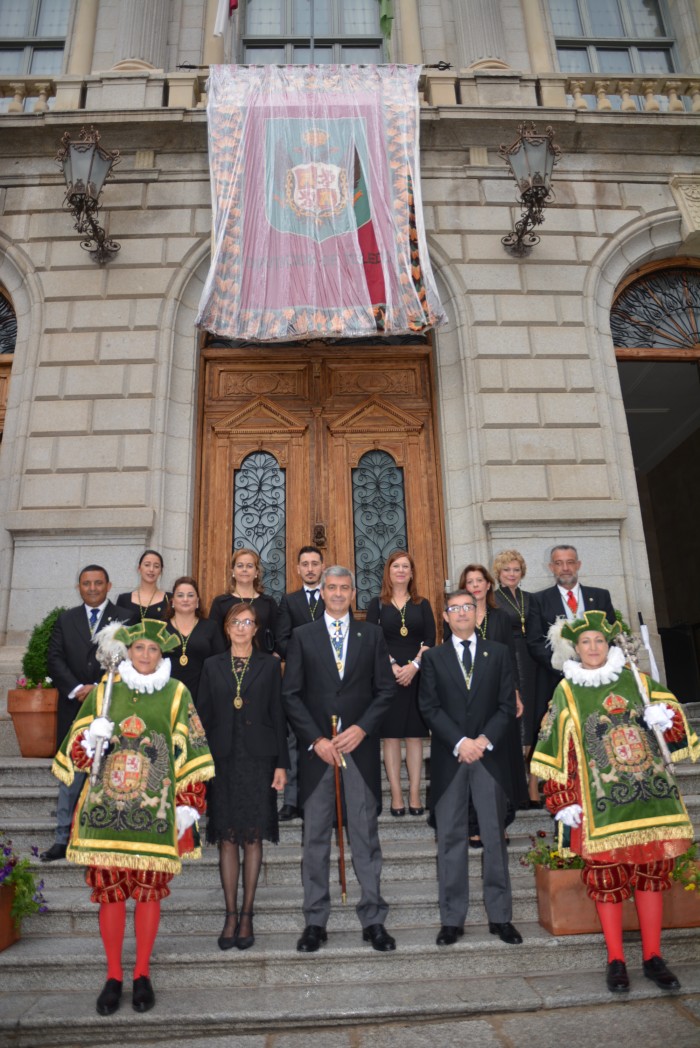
(506, 932)
(142, 997)
(56, 851)
(311, 939)
(449, 934)
(616, 977)
(109, 1000)
(379, 937)
(656, 970)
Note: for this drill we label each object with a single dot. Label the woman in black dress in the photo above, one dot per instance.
(148, 600)
(199, 638)
(509, 568)
(408, 624)
(247, 588)
(240, 706)
(493, 624)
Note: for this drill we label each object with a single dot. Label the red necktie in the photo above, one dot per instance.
(571, 601)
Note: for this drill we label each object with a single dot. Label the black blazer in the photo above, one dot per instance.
(497, 628)
(451, 712)
(294, 611)
(265, 609)
(72, 660)
(547, 606)
(261, 719)
(313, 692)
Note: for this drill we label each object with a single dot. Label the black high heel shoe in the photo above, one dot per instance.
(244, 942)
(416, 811)
(227, 942)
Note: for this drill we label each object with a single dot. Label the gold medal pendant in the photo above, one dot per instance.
(404, 631)
(339, 665)
(238, 702)
(183, 660)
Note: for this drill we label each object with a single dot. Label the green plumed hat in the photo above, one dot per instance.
(591, 620)
(148, 629)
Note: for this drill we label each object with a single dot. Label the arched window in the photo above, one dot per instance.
(259, 516)
(657, 314)
(379, 517)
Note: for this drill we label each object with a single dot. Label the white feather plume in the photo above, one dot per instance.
(110, 652)
(562, 649)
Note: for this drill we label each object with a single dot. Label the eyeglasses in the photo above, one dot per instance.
(242, 624)
(455, 609)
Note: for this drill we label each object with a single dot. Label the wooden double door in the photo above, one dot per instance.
(318, 416)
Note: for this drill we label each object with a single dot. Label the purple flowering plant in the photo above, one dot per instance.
(17, 874)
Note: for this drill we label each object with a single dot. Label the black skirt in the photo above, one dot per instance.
(242, 806)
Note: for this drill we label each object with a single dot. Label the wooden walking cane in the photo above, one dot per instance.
(339, 816)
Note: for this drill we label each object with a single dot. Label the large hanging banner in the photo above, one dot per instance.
(318, 224)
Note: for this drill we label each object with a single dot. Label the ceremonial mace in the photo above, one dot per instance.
(339, 816)
(627, 643)
(110, 653)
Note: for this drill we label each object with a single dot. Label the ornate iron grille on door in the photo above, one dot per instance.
(379, 517)
(259, 516)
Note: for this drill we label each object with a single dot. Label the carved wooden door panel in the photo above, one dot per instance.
(340, 445)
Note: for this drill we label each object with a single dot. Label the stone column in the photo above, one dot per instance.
(83, 41)
(142, 32)
(480, 38)
(213, 50)
(411, 50)
(537, 35)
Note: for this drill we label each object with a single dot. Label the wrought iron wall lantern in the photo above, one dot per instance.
(531, 160)
(86, 167)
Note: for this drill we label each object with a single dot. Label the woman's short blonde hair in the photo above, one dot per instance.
(505, 557)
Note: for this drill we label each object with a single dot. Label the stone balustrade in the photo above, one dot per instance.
(138, 89)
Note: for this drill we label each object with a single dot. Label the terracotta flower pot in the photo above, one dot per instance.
(34, 716)
(564, 908)
(8, 931)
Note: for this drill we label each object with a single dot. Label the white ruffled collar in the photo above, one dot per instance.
(605, 674)
(144, 682)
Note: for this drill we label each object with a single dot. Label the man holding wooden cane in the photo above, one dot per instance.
(340, 667)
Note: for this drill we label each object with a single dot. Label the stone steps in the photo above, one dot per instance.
(189, 961)
(197, 907)
(513, 1010)
(49, 980)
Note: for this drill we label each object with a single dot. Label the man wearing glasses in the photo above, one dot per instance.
(468, 702)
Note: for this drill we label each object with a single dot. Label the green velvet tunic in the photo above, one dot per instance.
(158, 748)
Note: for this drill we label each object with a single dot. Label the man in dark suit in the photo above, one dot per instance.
(467, 700)
(567, 597)
(338, 666)
(296, 609)
(74, 670)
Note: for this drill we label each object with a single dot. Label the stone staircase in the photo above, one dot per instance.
(50, 979)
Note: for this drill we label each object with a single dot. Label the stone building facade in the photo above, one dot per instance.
(100, 454)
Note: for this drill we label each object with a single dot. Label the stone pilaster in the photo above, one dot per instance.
(142, 32)
(213, 52)
(537, 35)
(411, 50)
(480, 37)
(83, 42)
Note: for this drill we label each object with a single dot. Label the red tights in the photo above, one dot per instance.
(649, 910)
(112, 925)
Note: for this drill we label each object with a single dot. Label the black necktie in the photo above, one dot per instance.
(467, 656)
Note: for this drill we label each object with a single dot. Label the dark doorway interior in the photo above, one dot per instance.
(662, 403)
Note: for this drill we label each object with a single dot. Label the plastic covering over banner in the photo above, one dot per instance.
(316, 201)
